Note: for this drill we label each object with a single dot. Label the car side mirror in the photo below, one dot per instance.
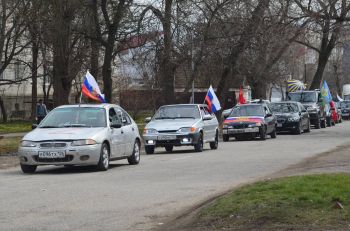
(116, 125)
(34, 126)
(148, 119)
(207, 117)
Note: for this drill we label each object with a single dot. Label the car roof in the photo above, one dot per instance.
(102, 105)
(184, 104)
(288, 101)
(250, 104)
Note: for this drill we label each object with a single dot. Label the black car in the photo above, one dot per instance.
(249, 120)
(291, 116)
(345, 109)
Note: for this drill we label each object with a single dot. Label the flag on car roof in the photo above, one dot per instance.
(91, 90)
(212, 100)
(241, 99)
(326, 94)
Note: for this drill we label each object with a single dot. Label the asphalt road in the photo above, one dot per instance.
(145, 196)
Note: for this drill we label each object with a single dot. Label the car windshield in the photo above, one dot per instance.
(247, 110)
(177, 112)
(304, 97)
(345, 104)
(284, 107)
(75, 117)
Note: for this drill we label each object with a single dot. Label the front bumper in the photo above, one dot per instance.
(287, 126)
(242, 131)
(77, 155)
(175, 139)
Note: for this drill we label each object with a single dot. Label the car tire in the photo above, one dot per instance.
(262, 133)
(28, 168)
(215, 144)
(103, 163)
(308, 129)
(323, 123)
(135, 157)
(273, 134)
(198, 147)
(299, 129)
(226, 138)
(169, 148)
(149, 149)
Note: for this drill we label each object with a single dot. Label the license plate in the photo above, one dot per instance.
(279, 125)
(238, 131)
(50, 154)
(166, 137)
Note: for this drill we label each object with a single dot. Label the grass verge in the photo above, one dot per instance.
(9, 145)
(292, 203)
(15, 126)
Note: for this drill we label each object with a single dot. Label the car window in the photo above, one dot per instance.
(204, 111)
(248, 110)
(178, 112)
(113, 117)
(125, 118)
(284, 107)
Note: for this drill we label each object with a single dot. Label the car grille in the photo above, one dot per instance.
(53, 145)
(281, 121)
(168, 131)
(67, 158)
(241, 126)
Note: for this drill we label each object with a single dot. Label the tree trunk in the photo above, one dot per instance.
(258, 90)
(94, 58)
(107, 70)
(3, 110)
(167, 66)
(322, 63)
(34, 67)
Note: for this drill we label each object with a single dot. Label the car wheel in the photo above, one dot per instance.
(135, 157)
(263, 133)
(169, 148)
(103, 163)
(149, 149)
(308, 129)
(273, 133)
(199, 146)
(28, 168)
(226, 138)
(323, 123)
(299, 129)
(215, 144)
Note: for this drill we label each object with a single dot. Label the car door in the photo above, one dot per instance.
(117, 138)
(128, 129)
(270, 120)
(209, 125)
(304, 116)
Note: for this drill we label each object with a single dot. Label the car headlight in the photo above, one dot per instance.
(149, 131)
(254, 125)
(293, 119)
(83, 142)
(187, 130)
(27, 143)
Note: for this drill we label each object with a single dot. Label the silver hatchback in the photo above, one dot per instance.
(181, 125)
(81, 135)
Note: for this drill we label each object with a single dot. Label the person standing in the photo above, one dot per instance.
(41, 111)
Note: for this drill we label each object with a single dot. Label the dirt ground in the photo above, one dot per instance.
(333, 161)
(8, 161)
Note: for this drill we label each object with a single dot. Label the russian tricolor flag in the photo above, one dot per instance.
(212, 101)
(91, 90)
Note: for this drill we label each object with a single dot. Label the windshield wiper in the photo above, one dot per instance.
(74, 125)
(184, 117)
(48, 127)
(162, 118)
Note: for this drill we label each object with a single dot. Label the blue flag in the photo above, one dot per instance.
(326, 94)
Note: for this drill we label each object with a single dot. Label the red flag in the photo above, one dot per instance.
(241, 99)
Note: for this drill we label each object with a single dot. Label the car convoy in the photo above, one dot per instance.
(95, 134)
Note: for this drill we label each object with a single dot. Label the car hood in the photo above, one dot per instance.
(171, 124)
(306, 105)
(40, 134)
(286, 115)
(246, 119)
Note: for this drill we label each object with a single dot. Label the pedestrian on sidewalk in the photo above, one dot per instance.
(41, 111)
